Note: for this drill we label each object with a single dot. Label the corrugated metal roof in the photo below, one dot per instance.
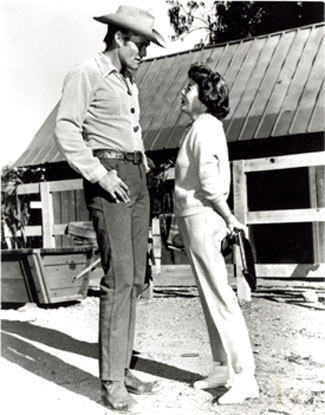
(42, 149)
(276, 89)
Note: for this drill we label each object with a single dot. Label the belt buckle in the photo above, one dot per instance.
(138, 158)
(128, 157)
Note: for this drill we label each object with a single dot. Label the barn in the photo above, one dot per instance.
(275, 133)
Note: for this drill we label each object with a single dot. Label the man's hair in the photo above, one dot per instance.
(112, 29)
(213, 90)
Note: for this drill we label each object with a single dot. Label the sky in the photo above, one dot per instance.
(41, 40)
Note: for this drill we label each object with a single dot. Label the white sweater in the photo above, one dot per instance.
(202, 174)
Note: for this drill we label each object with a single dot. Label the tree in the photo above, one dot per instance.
(231, 20)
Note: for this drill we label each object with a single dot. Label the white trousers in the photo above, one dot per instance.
(202, 235)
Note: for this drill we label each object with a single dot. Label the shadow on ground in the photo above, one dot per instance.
(53, 369)
(49, 367)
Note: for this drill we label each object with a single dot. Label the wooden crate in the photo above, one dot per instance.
(45, 275)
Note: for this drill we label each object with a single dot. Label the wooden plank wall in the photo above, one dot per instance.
(68, 206)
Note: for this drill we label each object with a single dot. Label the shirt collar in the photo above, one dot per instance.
(104, 65)
(107, 68)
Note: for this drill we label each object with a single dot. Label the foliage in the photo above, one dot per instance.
(231, 20)
(15, 212)
(181, 17)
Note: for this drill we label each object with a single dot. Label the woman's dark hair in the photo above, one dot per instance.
(112, 29)
(213, 90)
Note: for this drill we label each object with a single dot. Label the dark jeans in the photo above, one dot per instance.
(122, 236)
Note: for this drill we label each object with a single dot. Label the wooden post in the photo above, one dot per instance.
(47, 215)
(316, 197)
(147, 294)
(7, 235)
(156, 244)
(240, 209)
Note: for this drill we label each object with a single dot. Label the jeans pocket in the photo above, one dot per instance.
(122, 172)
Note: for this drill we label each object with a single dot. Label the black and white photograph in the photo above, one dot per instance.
(162, 207)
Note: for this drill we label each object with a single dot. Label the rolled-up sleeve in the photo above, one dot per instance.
(75, 101)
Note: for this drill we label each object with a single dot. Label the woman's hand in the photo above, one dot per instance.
(234, 225)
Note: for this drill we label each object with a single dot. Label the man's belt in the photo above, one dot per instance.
(135, 157)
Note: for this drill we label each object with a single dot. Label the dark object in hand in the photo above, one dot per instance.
(246, 255)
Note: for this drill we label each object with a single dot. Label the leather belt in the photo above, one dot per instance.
(135, 157)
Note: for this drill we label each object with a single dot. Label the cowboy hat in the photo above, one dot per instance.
(136, 20)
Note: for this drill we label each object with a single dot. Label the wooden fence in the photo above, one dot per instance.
(49, 230)
(314, 214)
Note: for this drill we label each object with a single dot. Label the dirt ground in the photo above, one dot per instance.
(49, 354)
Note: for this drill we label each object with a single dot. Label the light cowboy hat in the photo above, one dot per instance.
(136, 20)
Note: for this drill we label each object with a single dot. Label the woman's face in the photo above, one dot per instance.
(190, 103)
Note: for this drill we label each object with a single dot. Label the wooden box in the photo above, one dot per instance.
(45, 275)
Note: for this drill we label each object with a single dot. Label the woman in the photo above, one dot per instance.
(202, 181)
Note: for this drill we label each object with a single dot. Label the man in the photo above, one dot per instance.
(97, 130)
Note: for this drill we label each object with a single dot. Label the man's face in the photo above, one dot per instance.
(133, 51)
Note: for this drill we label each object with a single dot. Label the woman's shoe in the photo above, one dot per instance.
(243, 387)
(218, 377)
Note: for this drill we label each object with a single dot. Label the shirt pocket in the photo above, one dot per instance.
(108, 105)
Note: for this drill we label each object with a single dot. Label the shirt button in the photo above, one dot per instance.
(135, 129)
(133, 110)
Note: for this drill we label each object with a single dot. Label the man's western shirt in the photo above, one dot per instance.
(99, 109)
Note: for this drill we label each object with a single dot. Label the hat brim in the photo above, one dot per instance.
(135, 27)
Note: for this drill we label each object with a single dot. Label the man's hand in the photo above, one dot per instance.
(117, 189)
